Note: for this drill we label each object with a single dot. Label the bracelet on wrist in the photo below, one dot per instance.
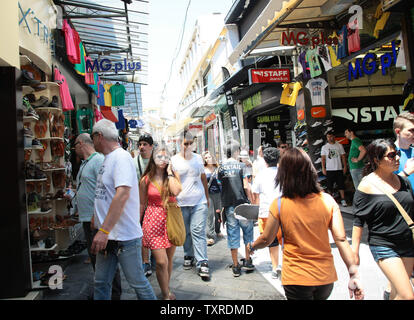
(103, 230)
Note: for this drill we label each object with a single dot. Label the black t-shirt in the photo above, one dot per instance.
(386, 225)
(231, 174)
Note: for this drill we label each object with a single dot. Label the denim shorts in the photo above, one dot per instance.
(233, 229)
(381, 252)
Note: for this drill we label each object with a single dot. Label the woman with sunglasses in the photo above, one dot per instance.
(158, 186)
(389, 237)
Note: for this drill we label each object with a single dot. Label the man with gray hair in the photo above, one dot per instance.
(85, 197)
(119, 236)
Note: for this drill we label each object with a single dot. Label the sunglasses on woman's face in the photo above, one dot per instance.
(393, 154)
(188, 143)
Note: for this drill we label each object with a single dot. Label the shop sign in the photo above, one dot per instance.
(105, 65)
(368, 65)
(269, 75)
(302, 38)
(267, 119)
(195, 128)
(368, 114)
(234, 123)
(252, 102)
(210, 118)
(36, 25)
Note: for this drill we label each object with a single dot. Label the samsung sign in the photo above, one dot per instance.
(106, 65)
(369, 65)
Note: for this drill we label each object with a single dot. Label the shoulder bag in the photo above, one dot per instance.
(175, 222)
(402, 211)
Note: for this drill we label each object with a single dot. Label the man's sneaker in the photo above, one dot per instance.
(147, 269)
(316, 124)
(343, 203)
(236, 270)
(247, 264)
(204, 271)
(277, 273)
(188, 262)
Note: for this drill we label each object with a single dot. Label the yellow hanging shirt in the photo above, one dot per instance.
(290, 93)
(107, 95)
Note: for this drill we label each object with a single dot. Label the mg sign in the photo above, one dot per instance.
(268, 75)
(107, 65)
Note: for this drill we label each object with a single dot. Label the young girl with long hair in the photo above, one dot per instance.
(158, 186)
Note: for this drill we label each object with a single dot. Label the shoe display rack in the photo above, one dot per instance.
(50, 228)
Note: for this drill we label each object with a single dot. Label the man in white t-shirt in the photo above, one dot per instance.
(334, 165)
(119, 236)
(193, 200)
(265, 192)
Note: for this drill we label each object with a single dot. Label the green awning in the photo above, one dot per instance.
(221, 105)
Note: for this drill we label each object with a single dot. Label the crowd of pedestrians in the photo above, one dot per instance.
(123, 201)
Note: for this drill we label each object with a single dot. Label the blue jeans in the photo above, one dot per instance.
(195, 244)
(381, 252)
(128, 254)
(356, 175)
(233, 229)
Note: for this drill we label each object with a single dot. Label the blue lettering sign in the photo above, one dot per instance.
(369, 64)
(91, 67)
(107, 66)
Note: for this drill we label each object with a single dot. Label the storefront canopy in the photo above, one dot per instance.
(294, 14)
(175, 128)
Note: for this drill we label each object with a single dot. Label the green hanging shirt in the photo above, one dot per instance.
(118, 94)
(84, 119)
(80, 67)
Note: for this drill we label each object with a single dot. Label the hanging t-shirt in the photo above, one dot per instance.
(96, 83)
(354, 42)
(101, 98)
(333, 154)
(65, 98)
(89, 76)
(190, 171)
(118, 170)
(71, 50)
(317, 90)
(80, 67)
(290, 93)
(342, 50)
(107, 94)
(305, 65)
(118, 94)
(121, 120)
(84, 118)
(323, 53)
(313, 60)
(332, 51)
(109, 113)
(382, 18)
(98, 115)
(401, 55)
(133, 124)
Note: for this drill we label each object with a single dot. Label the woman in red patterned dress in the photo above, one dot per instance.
(158, 186)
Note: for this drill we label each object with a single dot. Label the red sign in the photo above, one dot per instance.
(268, 75)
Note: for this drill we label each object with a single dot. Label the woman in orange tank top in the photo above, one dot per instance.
(306, 215)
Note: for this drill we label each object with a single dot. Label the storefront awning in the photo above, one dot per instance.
(296, 14)
(175, 128)
(206, 106)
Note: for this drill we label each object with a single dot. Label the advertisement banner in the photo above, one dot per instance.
(269, 75)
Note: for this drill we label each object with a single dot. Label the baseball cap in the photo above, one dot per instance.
(244, 154)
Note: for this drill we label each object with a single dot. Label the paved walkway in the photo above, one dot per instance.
(257, 285)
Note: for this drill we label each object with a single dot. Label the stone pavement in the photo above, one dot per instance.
(186, 284)
(258, 285)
